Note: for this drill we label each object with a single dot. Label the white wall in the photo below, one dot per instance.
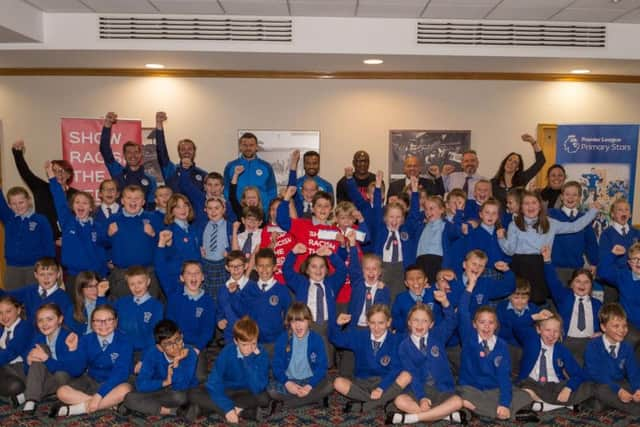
(350, 114)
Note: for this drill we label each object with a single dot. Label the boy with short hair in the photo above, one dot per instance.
(610, 362)
(266, 301)
(570, 250)
(236, 387)
(132, 233)
(418, 291)
(226, 317)
(162, 196)
(47, 273)
(28, 237)
(249, 240)
(167, 372)
(481, 193)
(139, 312)
(213, 188)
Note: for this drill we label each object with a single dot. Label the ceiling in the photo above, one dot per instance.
(620, 11)
(322, 63)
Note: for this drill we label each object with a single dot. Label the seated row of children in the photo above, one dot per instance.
(386, 362)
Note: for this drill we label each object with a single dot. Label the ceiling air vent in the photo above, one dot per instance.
(267, 30)
(451, 33)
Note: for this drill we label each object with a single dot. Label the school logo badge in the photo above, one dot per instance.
(435, 351)
(147, 316)
(199, 311)
(259, 172)
(430, 304)
(94, 236)
(479, 298)
(621, 363)
(274, 300)
(497, 361)
(560, 363)
(198, 178)
(144, 182)
(313, 357)
(385, 360)
(404, 236)
(33, 225)
(114, 357)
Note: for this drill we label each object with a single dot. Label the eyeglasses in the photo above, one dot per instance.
(235, 266)
(172, 344)
(89, 286)
(104, 321)
(634, 260)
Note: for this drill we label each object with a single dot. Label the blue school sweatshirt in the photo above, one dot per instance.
(225, 310)
(432, 368)
(403, 304)
(138, 321)
(604, 369)
(131, 245)
(155, 367)
(32, 301)
(80, 328)
(486, 290)
(479, 370)
(564, 299)
(385, 363)
(268, 309)
(509, 320)
(565, 365)
(481, 238)
(27, 239)
(66, 360)
(19, 345)
(83, 248)
(359, 290)
(109, 367)
(232, 371)
(610, 237)
(623, 279)
(185, 246)
(316, 356)
(569, 249)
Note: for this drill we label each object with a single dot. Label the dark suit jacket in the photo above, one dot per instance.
(433, 186)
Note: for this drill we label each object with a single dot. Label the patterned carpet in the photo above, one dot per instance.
(304, 417)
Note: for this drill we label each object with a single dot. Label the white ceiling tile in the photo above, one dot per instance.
(323, 8)
(391, 8)
(587, 15)
(194, 7)
(535, 4)
(606, 4)
(120, 6)
(255, 7)
(457, 3)
(523, 13)
(59, 6)
(461, 12)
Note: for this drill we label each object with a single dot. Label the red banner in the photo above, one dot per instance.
(81, 148)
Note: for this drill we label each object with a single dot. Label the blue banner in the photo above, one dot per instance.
(602, 158)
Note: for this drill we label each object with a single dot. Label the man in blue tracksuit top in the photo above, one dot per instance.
(131, 174)
(186, 168)
(257, 172)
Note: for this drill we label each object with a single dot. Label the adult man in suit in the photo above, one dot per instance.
(412, 167)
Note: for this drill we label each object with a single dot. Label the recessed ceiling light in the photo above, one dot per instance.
(373, 61)
(154, 66)
(580, 71)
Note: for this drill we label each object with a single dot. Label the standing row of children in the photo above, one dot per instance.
(174, 277)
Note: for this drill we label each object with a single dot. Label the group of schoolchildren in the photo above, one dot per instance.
(429, 308)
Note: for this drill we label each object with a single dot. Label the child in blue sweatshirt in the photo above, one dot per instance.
(300, 363)
(168, 371)
(84, 238)
(266, 301)
(185, 241)
(626, 279)
(548, 370)
(578, 310)
(90, 292)
(107, 356)
(481, 193)
(15, 342)
(485, 373)
(132, 233)
(376, 378)
(366, 287)
(570, 251)
(611, 363)
(28, 237)
(52, 359)
(47, 273)
(139, 312)
(418, 291)
(226, 316)
(422, 355)
(236, 387)
(188, 305)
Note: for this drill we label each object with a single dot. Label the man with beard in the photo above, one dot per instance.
(361, 175)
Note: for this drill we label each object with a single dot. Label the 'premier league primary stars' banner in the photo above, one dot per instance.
(603, 159)
(81, 148)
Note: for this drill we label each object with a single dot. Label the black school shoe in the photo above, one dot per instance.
(527, 416)
(189, 412)
(353, 406)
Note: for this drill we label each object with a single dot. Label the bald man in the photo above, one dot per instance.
(413, 167)
(361, 175)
